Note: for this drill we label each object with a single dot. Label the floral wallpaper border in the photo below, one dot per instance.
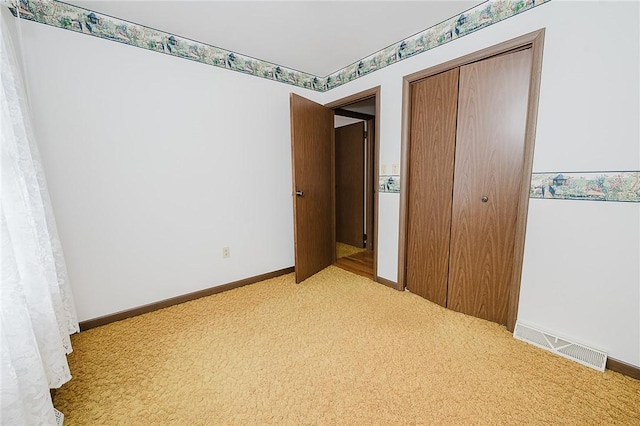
(389, 183)
(474, 19)
(599, 186)
(595, 186)
(85, 21)
(621, 186)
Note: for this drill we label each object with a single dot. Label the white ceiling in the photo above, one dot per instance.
(317, 37)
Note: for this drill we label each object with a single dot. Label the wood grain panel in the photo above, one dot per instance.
(359, 263)
(623, 368)
(312, 136)
(492, 114)
(431, 152)
(350, 184)
(370, 183)
(537, 44)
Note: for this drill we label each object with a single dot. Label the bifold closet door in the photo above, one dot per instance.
(432, 143)
(492, 113)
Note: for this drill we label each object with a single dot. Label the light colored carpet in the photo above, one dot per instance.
(346, 250)
(336, 349)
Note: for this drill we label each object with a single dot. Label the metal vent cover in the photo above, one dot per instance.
(585, 355)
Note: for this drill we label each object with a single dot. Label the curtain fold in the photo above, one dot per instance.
(37, 313)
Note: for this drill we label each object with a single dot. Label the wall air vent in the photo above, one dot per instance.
(585, 355)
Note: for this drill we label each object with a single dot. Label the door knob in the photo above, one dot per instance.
(484, 198)
(299, 193)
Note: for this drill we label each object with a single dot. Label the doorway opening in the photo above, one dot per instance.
(356, 180)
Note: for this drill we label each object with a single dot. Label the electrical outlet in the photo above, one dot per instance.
(383, 170)
(395, 169)
(226, 253)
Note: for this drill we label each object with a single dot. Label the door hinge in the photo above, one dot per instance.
(366, 134)
(364, 238)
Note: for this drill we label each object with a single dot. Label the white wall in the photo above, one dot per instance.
(581, 274)
(155, 164)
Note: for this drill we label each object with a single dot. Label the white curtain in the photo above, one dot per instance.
(36, 308)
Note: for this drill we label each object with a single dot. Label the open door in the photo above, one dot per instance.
(312, 144)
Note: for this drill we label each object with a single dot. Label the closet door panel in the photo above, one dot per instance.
(432, 147)
(492, 112)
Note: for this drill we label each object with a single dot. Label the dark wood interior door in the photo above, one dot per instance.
(312, 135)
(350, 184)
(370, 183)
(434, 102)
(492, 113)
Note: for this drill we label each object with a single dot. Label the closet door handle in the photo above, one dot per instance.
(484, 198)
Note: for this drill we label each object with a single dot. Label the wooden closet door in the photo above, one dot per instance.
(492, 113)
(434, 103)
